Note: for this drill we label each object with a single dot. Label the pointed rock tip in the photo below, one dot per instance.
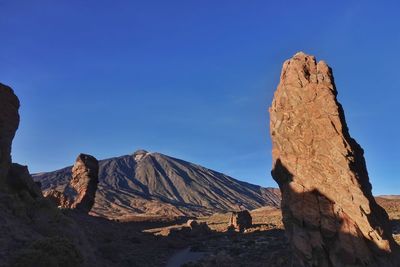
(86, 157)
(140, 154)
(140, 151)
(302, 55)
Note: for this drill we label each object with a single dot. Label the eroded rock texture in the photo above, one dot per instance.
(32, 231)
(9, 120)
(85, 177)
(330, 215)
(81, 190)
(58, 198)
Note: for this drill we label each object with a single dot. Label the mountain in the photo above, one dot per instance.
(155, 184)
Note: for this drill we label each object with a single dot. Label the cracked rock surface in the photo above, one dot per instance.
(81, 191)
(329, 213)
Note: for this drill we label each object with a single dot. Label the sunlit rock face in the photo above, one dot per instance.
(85, 178)
(81, 191)
(330, 216)
(9, 121)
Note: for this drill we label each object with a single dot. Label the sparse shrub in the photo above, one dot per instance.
(49, 252)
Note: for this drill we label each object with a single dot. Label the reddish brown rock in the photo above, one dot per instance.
(9, 121)
(240, 220)
(84, 182)
(58, 198)
(81, 191)
(330, 216)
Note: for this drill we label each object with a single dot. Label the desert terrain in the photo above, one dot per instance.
(150, 209)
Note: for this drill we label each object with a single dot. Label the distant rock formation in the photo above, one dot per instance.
(240, 220)
(85, 177)
(81, 191)
(330, 215)
(9, 121)
(157, 184)
(140, 154)
(198, 228)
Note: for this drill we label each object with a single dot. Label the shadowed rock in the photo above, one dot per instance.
(9, 121)
(240, 220)
(33, 232)
(20, 179)
(330, 215)
(12, 176)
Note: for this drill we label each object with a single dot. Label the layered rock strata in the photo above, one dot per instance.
(330, 215)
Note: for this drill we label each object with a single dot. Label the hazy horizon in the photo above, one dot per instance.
(192, 80)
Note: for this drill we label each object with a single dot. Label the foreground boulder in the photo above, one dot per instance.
(9, 120)
(240, 220)
(330, 215)
(81, 191)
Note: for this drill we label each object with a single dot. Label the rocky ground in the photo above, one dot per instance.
(34, 232)
(154, 241)
(264, 244)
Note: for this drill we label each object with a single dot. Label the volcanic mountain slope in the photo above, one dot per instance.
(155, 184)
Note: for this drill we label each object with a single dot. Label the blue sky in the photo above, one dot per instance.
(193, 79)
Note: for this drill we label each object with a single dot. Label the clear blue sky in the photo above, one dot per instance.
(193, 79)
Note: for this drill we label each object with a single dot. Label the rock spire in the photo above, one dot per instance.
(330, 215)
(81, 191)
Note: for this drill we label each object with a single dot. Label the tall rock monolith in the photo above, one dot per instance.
(9, 121)
(85, 178)
(81, 190)
(329, 213)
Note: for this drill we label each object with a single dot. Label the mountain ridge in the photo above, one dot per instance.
(145, 183)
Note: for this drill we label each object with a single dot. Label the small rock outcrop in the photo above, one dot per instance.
(198, 228)
(240, 220)
(9, 121)
(330, 215)
(192, 223)
(19, 179)
(58, 198)
(81, 191)
(193, 229)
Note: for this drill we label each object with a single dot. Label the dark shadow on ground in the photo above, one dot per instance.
(322, 235)
(125, 244)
